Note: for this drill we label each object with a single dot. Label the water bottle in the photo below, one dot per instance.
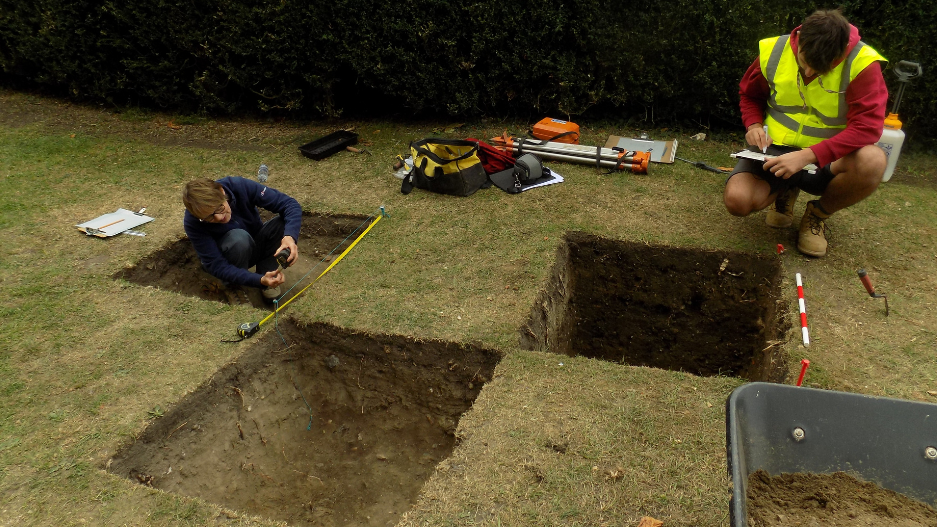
(262, 173)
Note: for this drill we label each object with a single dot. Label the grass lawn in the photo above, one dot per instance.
(88, 362)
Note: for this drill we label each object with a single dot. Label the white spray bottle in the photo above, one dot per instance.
(892, 135)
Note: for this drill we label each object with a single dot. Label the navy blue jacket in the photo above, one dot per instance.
(244, 196)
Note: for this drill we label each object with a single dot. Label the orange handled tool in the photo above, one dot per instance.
(867, 282)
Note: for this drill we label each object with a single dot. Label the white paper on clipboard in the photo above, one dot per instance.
(759, 156)
(113, 223)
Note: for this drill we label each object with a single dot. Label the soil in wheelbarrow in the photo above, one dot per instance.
(700, 311)
(176, 266)
(830, 500)
(335, 427)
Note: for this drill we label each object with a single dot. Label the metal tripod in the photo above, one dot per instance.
(614, 158)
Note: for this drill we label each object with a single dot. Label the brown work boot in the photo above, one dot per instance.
(812, 238)
(783, 213)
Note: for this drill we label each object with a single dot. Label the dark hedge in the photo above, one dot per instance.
(659, 61)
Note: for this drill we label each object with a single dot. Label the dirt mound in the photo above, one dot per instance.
(830, 500)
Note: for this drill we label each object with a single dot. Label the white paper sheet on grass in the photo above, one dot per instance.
(114, 223)
(554, 178)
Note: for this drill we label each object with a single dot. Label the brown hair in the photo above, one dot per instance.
(823, 38)
(201, 197)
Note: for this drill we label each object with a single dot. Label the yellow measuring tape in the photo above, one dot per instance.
(248, 329)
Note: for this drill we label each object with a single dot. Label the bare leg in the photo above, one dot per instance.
(744, 194)
(857, 175)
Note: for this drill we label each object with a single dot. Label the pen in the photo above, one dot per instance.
(765, 149)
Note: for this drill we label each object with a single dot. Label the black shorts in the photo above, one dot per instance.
(812, 183)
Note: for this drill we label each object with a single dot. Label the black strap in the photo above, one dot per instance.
(704, 166)
(564, 134)
(506, 180)
(407, 185)
(598, 156)
(421, 148)
(520, 146)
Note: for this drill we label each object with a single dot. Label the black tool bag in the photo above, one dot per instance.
(527, 169)
(446, 166)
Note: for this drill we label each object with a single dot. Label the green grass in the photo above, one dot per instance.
(86, 360)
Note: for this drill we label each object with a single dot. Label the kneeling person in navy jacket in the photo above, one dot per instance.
(222, 220)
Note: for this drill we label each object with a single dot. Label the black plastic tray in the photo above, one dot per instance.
(884, 441)
(325, 146)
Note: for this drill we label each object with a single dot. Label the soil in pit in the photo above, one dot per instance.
(176, 267)
(337, 428)
(703, 312)
(830, 500)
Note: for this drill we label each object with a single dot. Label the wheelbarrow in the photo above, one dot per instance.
(787, 429)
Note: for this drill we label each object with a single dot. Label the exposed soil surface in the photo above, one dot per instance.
(914, 179)
(176, 267)
(382, 411)
(703, 312)
(830, 500)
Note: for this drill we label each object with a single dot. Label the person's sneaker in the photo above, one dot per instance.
(812, 237)
(271, 293)
(782, 215)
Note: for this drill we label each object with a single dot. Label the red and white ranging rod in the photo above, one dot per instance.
(803, 310)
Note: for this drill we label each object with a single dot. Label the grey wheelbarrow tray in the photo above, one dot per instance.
(889, 442)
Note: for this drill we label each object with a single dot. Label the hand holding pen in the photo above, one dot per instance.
(757, 135)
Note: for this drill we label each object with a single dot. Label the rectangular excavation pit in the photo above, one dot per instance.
(384, 409)
(699, 311)
(176, 266)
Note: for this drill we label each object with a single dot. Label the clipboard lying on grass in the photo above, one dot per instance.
(108, 225)
(661, 151)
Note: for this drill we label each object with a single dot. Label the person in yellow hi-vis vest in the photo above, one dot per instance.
(816, 96)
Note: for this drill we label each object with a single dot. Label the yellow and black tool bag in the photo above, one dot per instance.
(447, 166)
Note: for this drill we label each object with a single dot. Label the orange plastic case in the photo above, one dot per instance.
(556, 130)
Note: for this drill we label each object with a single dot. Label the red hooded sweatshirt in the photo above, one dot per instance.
(866, 96)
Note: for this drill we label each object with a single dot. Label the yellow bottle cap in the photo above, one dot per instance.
(892, 122)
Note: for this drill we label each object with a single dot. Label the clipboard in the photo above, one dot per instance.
(661, 151)
(759, 156)
(108, 225)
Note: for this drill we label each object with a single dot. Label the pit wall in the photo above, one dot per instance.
(548, 319)
(552, 321)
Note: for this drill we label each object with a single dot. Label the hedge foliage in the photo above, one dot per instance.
(654, 59)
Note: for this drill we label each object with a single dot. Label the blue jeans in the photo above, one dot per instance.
(244, 251)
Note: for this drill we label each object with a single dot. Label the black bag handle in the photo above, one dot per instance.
(420, 147)
(406, 186)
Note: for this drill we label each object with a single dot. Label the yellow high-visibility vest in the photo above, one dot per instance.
(800, 115)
